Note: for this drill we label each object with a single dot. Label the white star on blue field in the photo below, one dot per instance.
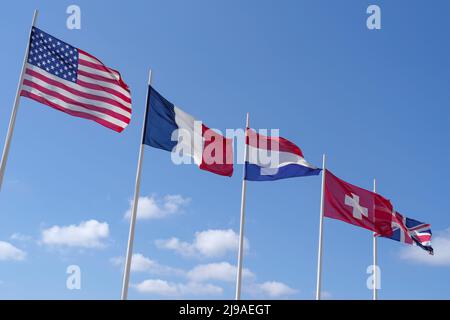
(375, 101)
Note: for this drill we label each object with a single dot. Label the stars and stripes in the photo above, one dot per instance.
(72, 81)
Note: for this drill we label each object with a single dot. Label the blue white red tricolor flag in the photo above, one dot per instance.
(274, 158)
(73, 81)
(167, 127)
(411, 231)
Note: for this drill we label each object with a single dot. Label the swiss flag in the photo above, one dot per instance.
(354, 205)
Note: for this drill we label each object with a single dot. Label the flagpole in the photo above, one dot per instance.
(126, 273)
(12, 120)
(241, 230)
(319, 254)
(375, 258)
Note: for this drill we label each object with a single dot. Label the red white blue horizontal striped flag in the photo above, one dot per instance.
(73, 81)
(274, 158)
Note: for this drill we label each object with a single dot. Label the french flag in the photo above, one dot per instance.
(167, 127)
(274, 158)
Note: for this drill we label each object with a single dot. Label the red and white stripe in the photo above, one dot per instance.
(99, 93)
(422, 234)
(273, 152)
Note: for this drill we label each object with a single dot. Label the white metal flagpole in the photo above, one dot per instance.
(319, 254)
(375, 258)
(12, 120)
(241, 230)
(126, 273)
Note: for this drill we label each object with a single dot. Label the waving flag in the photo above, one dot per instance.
(357, 206)
(73, 81)
(169, 128)
(271, 158)
(412, 232)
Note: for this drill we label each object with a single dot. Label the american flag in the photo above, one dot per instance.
(411, 231)
(73, 81)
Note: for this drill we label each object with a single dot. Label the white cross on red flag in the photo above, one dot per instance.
(357, 206)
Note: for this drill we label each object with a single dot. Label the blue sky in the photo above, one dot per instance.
(375, 101)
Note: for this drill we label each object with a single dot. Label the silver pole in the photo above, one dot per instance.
(12, 120)
(126, 273)
(319, 254)
(241, 230)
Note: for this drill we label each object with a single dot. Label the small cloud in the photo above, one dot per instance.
(326, 295)
(155, 208)
(272, 289)
(221, 271)
(140, 263)
(176, 245)
(170, 289)
(157, 286)
(20, 237)
(209, 243)
(10, 252)
(441, 246)
(87, 234)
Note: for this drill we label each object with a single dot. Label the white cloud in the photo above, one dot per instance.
(441, 246)
(141, 263)
(157, 286)
(87, 234)
(192, 288)
(198, 280)
(176, 245)
(209, 243)
(170, 289)
(154, 208)
(20, 237)
(272, 289)
(222, 271)
(10, 252)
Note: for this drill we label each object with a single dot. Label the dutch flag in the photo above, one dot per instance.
(274, 158)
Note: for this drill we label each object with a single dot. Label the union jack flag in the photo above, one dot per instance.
(411, 231)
